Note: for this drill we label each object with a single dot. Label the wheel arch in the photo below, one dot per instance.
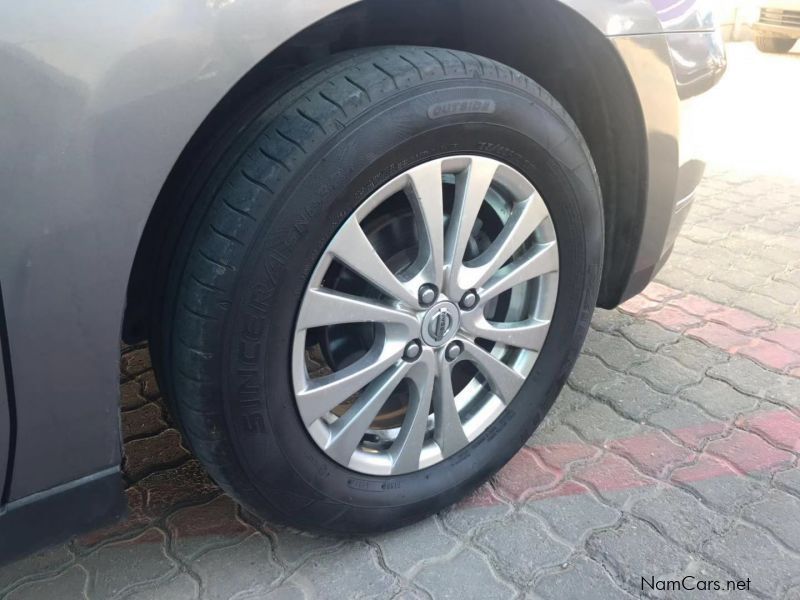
(544, 40)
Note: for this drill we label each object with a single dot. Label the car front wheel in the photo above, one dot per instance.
(386, 277)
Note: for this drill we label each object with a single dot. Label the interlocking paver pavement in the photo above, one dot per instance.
(672, 451)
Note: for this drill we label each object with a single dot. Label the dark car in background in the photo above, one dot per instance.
(364, 240)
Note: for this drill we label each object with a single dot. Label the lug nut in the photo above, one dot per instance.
(469, 300)
(428, 294)
(413, 350)
(453, 351)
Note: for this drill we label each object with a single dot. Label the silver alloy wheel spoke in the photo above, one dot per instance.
(543, 259)
(503, 380)
(362, 344)
(351, 246)
(527, 334)
(448, 430)
(407, 448)
(471, 189)
(426, 181)
(348, 431)
(527, 216)
(324, 394)
(324, 307)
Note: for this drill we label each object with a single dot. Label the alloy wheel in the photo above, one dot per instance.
(424, 315)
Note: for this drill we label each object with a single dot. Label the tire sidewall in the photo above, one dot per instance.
(524, 131)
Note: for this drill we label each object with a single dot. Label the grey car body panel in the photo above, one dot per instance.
(5, 414)
(97, 103)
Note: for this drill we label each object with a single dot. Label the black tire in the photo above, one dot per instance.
(774, 45)
(291, 172)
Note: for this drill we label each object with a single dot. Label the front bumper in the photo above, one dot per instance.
(668, 70)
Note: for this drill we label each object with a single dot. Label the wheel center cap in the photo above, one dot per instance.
(440, 323)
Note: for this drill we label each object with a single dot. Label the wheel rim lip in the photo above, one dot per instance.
(369, 463)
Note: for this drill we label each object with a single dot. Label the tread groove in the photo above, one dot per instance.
(312, 120)
(255, 181)
(274, 159)
(357, 86)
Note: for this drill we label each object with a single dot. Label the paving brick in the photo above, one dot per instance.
(613, 477)
(523, 474)
(292, 546)
(652, 453)
(180, 587)
(632, 397)
(718, 398)
(673, 318)
(142, 421)
(718, 484)
(739, 320)
(150, 390)
(144, 558)
(467, 576)
(695, 305)
(638, 305)
(597, 423)
(789, 479)
(560, 455)
(634, 549)
(649, 335)
(330, 576)
(135, 362)
(250, 559)
(588, 372)
(780, 427)
(694, 355)
(613, 350)
(195, 529)
(749, 453)
(169, 488)
(745, 375)
(771, 355)
(404, 549)
(580, 578)
(777, 512)
(481, 507)
(686, 422)
(664, 374)
(660, 292)
(145, 455)
(521, 547)
(763, 306)
(610, 320)
(753, 554)
(130, 397)
(720, 336)
(50, 560)
(574, 516)
(68, 584)
(682, 517)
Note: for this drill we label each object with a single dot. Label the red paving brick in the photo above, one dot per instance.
(749, 453)
(523, 474)
(738, 319)
(695, 305)
(771, 355)
(780, 427)
(786, 336)
(638, 304)
(673, 319)
(719, 336)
